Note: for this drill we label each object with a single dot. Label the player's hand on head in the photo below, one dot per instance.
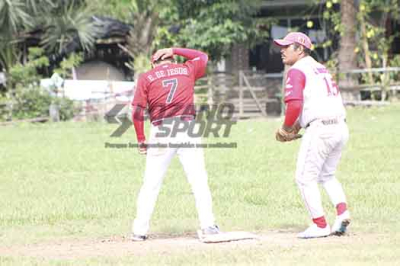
(142, 147)
(162, 54)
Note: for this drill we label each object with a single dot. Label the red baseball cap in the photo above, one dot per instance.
(294, 37)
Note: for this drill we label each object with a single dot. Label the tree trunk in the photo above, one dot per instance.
(368, 62)
(347, 56)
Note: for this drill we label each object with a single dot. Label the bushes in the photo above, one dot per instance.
(32, 103)
(67, 108)
(24, 99)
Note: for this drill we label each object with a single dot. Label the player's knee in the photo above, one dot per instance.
(325, 177)
(303, 180)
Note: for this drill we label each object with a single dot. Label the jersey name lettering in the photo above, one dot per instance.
(167, 73)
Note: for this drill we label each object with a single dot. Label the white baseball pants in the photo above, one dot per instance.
(318, 158)
(157, 162)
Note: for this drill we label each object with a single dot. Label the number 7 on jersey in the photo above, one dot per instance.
(172, 84)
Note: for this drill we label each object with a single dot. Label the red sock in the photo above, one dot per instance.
(341, 208)
(320, 222)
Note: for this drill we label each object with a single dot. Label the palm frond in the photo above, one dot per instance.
(70, 24)
(35, 7)
(14, 16)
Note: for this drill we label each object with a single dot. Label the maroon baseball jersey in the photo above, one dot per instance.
(168, 89)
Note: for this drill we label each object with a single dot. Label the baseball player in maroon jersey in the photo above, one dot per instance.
(167, 92)
(313, 102)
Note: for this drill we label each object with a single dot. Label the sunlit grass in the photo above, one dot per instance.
(59, 181)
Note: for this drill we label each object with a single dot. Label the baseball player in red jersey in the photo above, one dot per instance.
(313, 102)
(167, 92)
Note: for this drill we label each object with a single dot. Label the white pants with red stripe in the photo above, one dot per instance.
(318, 158)
(157, 162)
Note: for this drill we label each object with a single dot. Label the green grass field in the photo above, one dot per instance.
(59, 184)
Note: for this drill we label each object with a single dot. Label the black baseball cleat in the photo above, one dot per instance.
(342, 228)
(138, 238)
(341, 223)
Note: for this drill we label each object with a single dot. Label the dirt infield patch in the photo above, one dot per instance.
(119, 246)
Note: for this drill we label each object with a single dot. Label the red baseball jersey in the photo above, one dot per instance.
(167, 90)
(310, 83)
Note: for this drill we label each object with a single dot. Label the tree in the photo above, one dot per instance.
(14, 18)
(373, 18)
(119, 9)
(348, 43)
(209, 25)
(143, 15)
(213, 25)
(68, 22)
(369, 48)
(145, 19)
(347, 57)
(61, 21)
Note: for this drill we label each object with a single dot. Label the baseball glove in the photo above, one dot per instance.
(284, 135)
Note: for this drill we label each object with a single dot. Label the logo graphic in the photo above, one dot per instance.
(210, 120)
(123, 120)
